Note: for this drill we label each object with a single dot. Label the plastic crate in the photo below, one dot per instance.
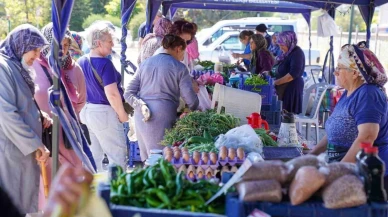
(266, 91)
(129, 211)
(272, 113)
(134, 153)
(236, 208)
(281, 153)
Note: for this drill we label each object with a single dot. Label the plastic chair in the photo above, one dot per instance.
(237, 102)
(311, 117)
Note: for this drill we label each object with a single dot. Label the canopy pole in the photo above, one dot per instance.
(309, 44)
(351, 25)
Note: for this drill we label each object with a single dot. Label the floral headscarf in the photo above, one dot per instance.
(76, 46)
(361, 59)
(47, 31)
(288, 39)
(161, 28)
(19, 41)
(66, 62)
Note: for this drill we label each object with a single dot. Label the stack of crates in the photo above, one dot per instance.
(272, 113)
(133, 152)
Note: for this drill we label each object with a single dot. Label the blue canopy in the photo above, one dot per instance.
(61, 11)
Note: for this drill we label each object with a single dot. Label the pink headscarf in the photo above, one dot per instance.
(161, 28)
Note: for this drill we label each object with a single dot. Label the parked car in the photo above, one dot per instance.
(210, 35)
(229, 42)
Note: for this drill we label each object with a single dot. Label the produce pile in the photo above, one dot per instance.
(196, 123)
(207, 65)
(255, 80)
(304, 178)
(159, 186)
(268, 141)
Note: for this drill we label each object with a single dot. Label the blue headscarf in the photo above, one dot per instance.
(19, 41)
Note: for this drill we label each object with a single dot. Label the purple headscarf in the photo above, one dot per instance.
(19, 41)
(161, 28)
(288, 39)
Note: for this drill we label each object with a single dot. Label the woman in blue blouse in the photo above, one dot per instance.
(275, 48)
(361, 114)
(245, 37)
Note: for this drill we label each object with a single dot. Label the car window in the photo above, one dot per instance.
(274, 28)
(232, 43)
(219, 33)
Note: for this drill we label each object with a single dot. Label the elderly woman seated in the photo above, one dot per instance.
(362, 112)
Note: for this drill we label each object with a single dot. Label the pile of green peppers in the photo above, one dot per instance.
(159, 186)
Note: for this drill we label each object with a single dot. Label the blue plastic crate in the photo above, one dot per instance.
(237, 208)
(273, 113)
(266, 91)
(281, 153)
(134, 153)
(103, 191)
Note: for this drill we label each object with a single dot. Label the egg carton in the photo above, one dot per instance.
(231, 162)
(207, 174)
(177, 163)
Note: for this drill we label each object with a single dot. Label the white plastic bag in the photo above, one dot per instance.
(244, 137)
(223, 56)
(327, 26)
(204, 100)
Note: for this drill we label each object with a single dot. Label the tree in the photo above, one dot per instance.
(342, 19)
(114, 8)
(98, 6)
(81, 11)
(35, 12)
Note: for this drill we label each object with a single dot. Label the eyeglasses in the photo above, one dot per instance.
(338, 69)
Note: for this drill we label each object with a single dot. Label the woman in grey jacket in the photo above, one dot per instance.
(20, 126)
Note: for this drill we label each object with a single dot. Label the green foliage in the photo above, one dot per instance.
(135, 23)
(94, 17)
(98, 6)
(343, 20)
(114, 8)
(81, 10)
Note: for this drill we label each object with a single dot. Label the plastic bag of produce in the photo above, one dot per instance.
(336, 170)
(307, 181)
(264, 190)
(244, 137)
(267, 170)
(346, 191)
(305, 160)
(204, 100)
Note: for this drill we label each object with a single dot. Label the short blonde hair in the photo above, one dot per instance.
(97, 32)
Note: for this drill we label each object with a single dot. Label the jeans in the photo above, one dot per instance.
(106, 134)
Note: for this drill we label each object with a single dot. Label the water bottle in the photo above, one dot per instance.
(375, 170)
(105, 163)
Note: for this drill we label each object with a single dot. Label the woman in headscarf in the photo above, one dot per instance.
(262, 59)
(361, 115)
(274, 48)
(153, 41)
(21, 124)
(73, 79)
(288, 72)
(76, 46)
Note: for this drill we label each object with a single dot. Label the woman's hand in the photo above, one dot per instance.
(235, 55)
(123, 117)
(67, 189)
(47, 121)
(195, 86)
(45, 154)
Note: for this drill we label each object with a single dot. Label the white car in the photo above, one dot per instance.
(229, 43)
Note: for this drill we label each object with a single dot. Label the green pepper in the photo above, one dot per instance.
(151, 176)
(160, 194)
(129, 179)
(145, 177)
(166, 174)
(152, 202)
